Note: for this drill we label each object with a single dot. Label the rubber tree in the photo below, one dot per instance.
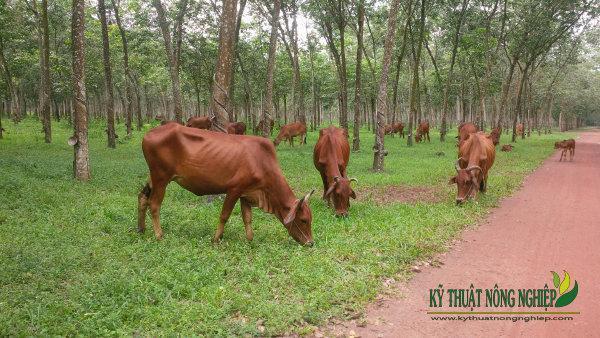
(379, 150)
(108, 83)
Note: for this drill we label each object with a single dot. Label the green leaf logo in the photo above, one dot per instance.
(565, 298)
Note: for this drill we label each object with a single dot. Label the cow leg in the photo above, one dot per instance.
(228, 205)
(143, 206)
(247, 218)
(428, 139)
(156, 197)
(325, 187)
(292, 141)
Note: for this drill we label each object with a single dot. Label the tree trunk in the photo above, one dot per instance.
(358, 84)
(443, 127)
(415, 98)
(46, 88)
(268, 112)
(174, 51)
(400, 58)
(81, 166)
(108, 85)
(128, 90)
(222, 79)
(380, 152)
(15, 109)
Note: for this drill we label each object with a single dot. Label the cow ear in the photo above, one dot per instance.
(292, 214)
(352, 194)
(452, 180)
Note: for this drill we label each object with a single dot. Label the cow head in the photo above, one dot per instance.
(418, 137)
(467, 181)
(340, 191)
(298, 221)
(558, 145)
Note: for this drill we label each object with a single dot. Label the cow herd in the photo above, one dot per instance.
(245, 168)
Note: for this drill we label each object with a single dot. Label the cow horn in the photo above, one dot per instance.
(305, 198)
(474, 167)
(353, 179)
(336, 178)
(457, 164)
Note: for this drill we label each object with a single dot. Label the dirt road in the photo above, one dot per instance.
(552, 223)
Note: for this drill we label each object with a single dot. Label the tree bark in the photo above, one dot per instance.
(415, 98)
(380, 152)
(81, 166)
(45, 69)
(268, 112)
(14, 98)
(443, 127)
(108, 85)
(222, 79)
(358, 83)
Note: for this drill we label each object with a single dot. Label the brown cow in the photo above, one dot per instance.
(238, 128)
(394, 128)
(495, 135)
(566, 145)
(289, 131)
(259, 127)
(422, 132)
(330, 157)
(199, 122)
(520, 129)
(464, 129)
(507, 147)
(476, 157)
(206, 163)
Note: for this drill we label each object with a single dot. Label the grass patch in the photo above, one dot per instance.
(72, 263)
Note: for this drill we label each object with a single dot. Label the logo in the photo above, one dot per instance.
(498, 300)
(565, 298)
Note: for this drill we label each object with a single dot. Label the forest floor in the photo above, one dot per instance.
(551, 223)
(73, 264)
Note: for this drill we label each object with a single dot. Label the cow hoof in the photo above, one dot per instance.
(141, 230)
(159, 237)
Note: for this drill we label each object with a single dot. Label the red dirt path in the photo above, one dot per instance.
(552, 223)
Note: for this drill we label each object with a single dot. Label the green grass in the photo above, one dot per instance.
(71, 262)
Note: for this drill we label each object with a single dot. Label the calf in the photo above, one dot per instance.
(207, 163)
(422, 132)
(330, 157)
(566, 145)
(394, 128)
(259, 127)
(507, 147)
(476, 157)
(289, 131)
(199, 122)
(238, 128)
(520, 129)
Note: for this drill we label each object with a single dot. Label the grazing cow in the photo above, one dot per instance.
(495, 135)
(289, 131)
(199, 122)
(566, 145)
(476, 157)
(422, 132)
(507, 147)
(394, 128)
(206, 162)
(520, 129)
(238, 128)
(464, 129)
(259, 127)
(331, 156)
